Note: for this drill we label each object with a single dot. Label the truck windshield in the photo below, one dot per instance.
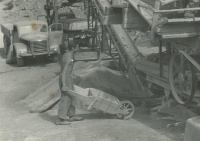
(24, 29)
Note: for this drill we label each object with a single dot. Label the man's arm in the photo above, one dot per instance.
(63, 78)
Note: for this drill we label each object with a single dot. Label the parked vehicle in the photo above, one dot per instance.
(30, 39)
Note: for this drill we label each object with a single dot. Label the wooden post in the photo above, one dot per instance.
(155, 19)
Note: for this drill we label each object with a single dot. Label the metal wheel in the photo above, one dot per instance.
(20, 62)
(6, 41)
(128, 107)
(182, 78)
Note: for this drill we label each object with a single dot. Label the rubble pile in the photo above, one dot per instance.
(98, 75)
(26, 10)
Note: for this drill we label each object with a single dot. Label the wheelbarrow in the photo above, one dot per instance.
(100, 100)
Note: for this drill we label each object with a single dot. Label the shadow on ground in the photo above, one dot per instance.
(89, 116)
(39, 61)
(143, 115)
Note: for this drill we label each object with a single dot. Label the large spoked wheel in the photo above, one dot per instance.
(182, 78)
(128, 107)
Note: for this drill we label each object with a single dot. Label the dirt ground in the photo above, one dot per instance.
(17, 124)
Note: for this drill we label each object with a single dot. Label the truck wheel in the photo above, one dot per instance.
(20, 62)
(6, 41)
(54, 58)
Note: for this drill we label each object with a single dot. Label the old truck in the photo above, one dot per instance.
(29, 39)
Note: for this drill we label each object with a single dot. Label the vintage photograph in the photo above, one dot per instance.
(100, 70)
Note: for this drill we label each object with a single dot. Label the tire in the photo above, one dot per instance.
(20, 62)
(54, 58)
(6, 41)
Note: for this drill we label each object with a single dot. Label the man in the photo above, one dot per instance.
(66, 110)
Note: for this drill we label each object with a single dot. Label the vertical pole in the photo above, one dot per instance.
(94, 34)
(56, 12)
(47, 12)
(160, 53)
(88, 15)
(110, 44)
(103, 36)
(168, 47)
(92, 12)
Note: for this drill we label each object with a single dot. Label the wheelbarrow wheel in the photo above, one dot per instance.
(128, 107)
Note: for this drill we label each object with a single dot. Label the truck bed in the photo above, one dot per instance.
(6, 29)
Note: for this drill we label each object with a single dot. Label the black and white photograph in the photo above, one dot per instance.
(100, 70)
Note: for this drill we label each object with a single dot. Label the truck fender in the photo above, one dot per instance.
(20, 47)
(10, 55)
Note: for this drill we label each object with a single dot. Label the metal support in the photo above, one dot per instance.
(168, 47)
(51, 6)
(90, 15)
(160, 53)
(102, 37)
(85, 4)
(110, 44)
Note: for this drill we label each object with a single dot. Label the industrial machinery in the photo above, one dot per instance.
(165, 23)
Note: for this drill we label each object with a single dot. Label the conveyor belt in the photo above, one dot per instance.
(124, 44)
(127, 51)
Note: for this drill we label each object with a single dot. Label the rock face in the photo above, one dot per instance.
(95, 75)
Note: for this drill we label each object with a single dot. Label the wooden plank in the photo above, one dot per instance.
(158, 81)
(177, 10)
(175, 20)
(178, 28)
(151, 68)
(151, 64)
(132, 19)
(146, 15)
(155, 20)
(46, 104)
(42, 93)
(182, 35)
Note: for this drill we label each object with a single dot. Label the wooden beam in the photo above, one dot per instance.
(144, 13)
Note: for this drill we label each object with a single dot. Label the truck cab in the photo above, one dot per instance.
(31, 39)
